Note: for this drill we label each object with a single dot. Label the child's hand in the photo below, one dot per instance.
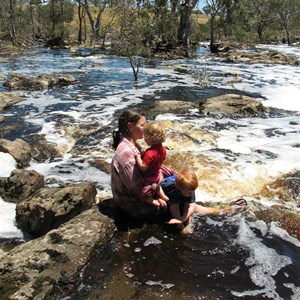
(157, 202)
(162, 202)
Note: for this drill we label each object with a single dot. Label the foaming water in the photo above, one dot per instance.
(8, 226)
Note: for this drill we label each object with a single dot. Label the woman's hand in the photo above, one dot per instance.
(156, 202)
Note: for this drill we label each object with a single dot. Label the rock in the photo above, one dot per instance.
(20, 185)
(234, 106)
(170, 106)
(51, 207)
(18, 149)
(285, 219)
(101, 164)
(21, 82)
(285, 187)
(2, 119)
(270, 57)
(9, 99)
(39, 268)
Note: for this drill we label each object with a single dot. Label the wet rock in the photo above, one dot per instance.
(39, 268)
(18, 149)
(102, 165)
(270, 57)
(233, 106)
(170, 106)
(285, 219)
(9, 99)
(285, 188)
(20, 185)
(51, 207)
(43, 150)
(21, 82)
(2, 119)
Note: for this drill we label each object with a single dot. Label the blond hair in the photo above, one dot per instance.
(155, 131)
(186, 180)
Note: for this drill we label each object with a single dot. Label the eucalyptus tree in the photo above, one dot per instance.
(130, 35)
(214, 9)
(289, 13)
(97, 6)
(263, 16)
(184, 29)
(12, 20)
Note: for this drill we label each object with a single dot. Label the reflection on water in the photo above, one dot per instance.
(222, 259)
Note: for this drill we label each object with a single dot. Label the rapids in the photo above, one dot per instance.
(248, 255)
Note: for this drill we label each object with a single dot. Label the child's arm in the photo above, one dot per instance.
(140, 163)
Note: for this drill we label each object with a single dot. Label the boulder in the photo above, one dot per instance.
(170, 106)
(21, 82)
(9, 99)
(51, 207)
(20, 185)
(233, 106)
(270, 57)
(18, 149)
(39, 268)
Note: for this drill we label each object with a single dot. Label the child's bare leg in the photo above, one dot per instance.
(188, 210)
(175, 212)
(159, 191)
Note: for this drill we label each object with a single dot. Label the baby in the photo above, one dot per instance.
(152, 159)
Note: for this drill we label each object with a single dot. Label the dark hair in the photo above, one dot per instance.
(123, 131)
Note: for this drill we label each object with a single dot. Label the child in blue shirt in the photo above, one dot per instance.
(180, 189)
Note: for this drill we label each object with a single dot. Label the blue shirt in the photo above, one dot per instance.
(175, 196)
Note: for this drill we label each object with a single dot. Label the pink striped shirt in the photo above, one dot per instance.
(127, 183)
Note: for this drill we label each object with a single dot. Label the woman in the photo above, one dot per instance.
(126, 181)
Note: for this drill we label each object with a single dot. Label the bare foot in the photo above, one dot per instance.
(187, 230)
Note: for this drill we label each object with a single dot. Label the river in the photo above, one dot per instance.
(237, 256)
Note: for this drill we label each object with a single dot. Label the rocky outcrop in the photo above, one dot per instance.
(51, 207)
(9, 99)
(20, 185)
(18, 149)
(233, 106)
(39, 268)
(170, 106)
(270, 57)
(21, 82)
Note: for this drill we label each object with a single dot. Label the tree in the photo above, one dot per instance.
(289, 13)
(130, 34)
(184, 30)
(213, 8)
(100, 6)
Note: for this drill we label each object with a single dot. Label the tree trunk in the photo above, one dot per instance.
(185, 23)
(80, 17)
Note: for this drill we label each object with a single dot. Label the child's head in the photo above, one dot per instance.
(186, 182)
(154, 133)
